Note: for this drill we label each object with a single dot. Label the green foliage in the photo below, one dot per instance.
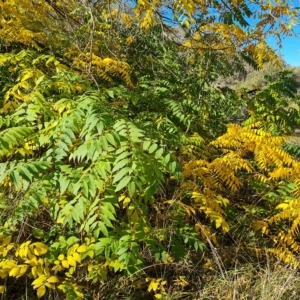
(276, 105)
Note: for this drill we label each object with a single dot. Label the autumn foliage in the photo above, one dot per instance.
(119, 167)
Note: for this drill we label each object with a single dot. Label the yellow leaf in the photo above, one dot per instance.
(46, 271)
(23, 270)
(40, 271)
(23, 251)
(53, 279)
(121, 198)
(218, 222)
(79, 294)
(225, 226)
(158, 296)
(183, 282)
(39, 245)
(265, 230)
(39, 248)
(81, 249)
(39, 281)
(208, 265)
(29, 254)
(41, 291)
(57, 268)
(32, 262)
(153, 286)
(14, 272)
(10, 246)
(65, 264)
(27, 76)
(257, 225)
(34, 271)
(2, 289)
(72, 249)
(9, 264)
(60, 220)
(61, 257)
(6, 240)
(126, 202)
(50, 285)
(282, 206)
(71, 261)
(77, 257)
(129, 40)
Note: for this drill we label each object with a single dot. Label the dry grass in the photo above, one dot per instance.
(271, 283)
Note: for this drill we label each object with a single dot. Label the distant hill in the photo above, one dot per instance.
(253, 79)
(256, 78)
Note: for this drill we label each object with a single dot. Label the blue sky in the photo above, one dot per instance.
(291, 45)
(290, 50)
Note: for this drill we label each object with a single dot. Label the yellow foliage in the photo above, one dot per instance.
(285, 255)
(29, 257)
(156, 284)
(105, 68)
(181, 281)
(246, 154)
(82, 249)
(270, 164)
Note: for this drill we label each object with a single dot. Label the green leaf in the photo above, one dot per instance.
(121, 164)
(131, 188)
(3, 172)
(15, 178)
(105, 211)
(102, 228)
(85, 188)
(122, 250)
(25, 174)
(79, 210)
(122, 156)
(166, 159)
(110, 139)
(121, 174)
(123, 183)
(146, 145)
(111, 93)
(72, 240)
(66, 139)
(38, 233)
(92, 186)
(101, 170)
(159, 153)
(106, 221)
(152, 148)
(172, 167)
(104, 143)
(150, 191)
(63, 183)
